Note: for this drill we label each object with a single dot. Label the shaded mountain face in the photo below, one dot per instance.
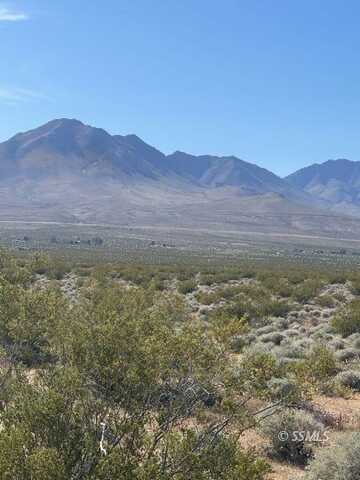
(335, 181)
(212, 171)
(63, 147)
(66, 171)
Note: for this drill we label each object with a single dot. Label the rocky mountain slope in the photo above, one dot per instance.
(66, 171)
(336, 181)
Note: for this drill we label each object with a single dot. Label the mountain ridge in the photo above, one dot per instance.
(63, 145)
(67, 170)
(335, 181)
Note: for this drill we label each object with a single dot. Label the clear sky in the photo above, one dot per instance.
(275, 82)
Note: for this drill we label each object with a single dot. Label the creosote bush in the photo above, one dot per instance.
(347, 321)
(117, 380)
(122, 382)
(187, 286)
(290, 434)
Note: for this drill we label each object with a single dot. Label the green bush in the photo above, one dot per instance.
(325, 301)
(316, 371)
(187, 286)
(306, 290)
(282, 389)
(347, 321)
(257, 368)
(207, 298)
(321, 362)
(355, 284)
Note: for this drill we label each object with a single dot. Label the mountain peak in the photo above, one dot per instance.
(66, 146)
(66, 121)
(338, 161)
(335, 181)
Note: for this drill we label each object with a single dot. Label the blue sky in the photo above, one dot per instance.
(275, 82)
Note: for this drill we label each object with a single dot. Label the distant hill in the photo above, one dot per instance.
(335, 181)
(62, 147)
(66, 171)
(213, 171)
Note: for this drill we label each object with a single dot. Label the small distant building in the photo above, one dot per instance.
(20, 244)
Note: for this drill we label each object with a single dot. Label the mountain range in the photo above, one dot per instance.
(66, 171)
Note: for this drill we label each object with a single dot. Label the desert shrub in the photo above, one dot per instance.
(184, 275)
(158, 283)
(57, 270)
(257, 368)
(316, 371)
(306, 290)
(275, 308)
(28, 320)
(265, 329)
(347, 321)
(325, 301)
(230, 292)
(355, 285)
(40, 263)
(291, 350)
(186, 286)
(347, 354)
(286, 362)
(283, 288)
(239, 308)
(306, 343)
(208, 298)
(291, 332)
(290, 434)
(349, 378)
(338, 277)
(82, 271)
(340, 297)
(274, 337)
(281, 323)
(323, 328)
(240, 341)
(296, 277)
(207, 279)
(322, 362)
(282, 389)
(340, 462)
(80, 282)
(254, 291)
(337, 344)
